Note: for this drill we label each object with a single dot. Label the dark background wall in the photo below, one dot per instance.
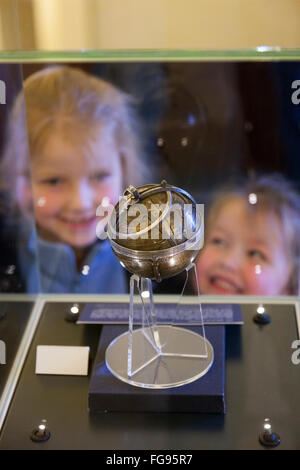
(206, 123)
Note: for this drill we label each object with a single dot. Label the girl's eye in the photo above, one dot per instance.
(256, 254)
(52, 181)
(217, 241)
(100, 177)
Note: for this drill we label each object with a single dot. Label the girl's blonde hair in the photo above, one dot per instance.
(63, 98)
(276, 194)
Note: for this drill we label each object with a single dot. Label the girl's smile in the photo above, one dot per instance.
(84, 223)
(224, 284)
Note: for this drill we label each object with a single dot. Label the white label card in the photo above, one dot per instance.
(62, 360)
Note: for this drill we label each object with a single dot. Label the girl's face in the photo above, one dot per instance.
(245, 253)
(68, 186)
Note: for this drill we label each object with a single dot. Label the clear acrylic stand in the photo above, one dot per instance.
(158, 356)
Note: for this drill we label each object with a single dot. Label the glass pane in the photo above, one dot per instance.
(201, 125)
(18, 262)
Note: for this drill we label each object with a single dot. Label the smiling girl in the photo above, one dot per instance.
(84, 151)
(253, 242)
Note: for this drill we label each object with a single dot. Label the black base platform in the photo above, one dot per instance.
(205, 395)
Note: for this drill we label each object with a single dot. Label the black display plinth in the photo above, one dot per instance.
(205, 395)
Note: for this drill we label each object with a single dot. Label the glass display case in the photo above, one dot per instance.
(200, 120)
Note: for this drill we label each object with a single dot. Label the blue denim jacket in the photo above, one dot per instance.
(51, 267)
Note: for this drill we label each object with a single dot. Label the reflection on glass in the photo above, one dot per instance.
(252, 198)
(241, 233)
(203, 124)
(257, 268)
(18, 261)
(83, 151)
(260, 309)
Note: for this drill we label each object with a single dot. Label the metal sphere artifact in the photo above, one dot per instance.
(156, 230)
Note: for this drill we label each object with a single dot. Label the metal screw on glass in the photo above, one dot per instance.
(41, 433)
(261, 317)
(269, 438)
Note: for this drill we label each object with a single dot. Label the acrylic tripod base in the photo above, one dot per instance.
(167, 369)
(158, 356)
